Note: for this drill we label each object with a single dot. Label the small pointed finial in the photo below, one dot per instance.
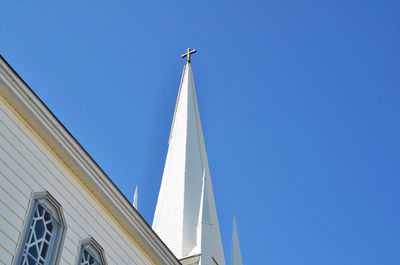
(135, 198)
(236, 255)
(188, 53)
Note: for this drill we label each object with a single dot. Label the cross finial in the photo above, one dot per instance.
(188, 53)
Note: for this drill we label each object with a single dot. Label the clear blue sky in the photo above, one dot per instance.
(299, 102)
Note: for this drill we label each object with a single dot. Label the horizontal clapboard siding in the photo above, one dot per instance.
(27, 165)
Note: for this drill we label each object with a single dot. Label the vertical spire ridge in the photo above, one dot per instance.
(236, 255)
(204, 214)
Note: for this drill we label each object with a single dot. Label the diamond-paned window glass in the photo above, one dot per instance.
(40, 236)
(43, 234)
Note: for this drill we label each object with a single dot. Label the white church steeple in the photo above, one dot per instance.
(186, 216)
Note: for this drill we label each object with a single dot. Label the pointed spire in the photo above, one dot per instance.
(236, 255)
(183, 194)
(135, 198)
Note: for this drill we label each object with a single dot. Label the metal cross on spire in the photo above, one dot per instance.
(188, 53)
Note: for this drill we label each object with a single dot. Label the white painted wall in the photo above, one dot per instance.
(27, 165)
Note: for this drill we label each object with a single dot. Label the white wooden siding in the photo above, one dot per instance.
(27, 165)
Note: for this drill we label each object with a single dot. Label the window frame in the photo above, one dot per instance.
(91, 245)
(51, 205)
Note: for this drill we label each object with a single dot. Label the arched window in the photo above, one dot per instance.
(43, 233)
(91, 253)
